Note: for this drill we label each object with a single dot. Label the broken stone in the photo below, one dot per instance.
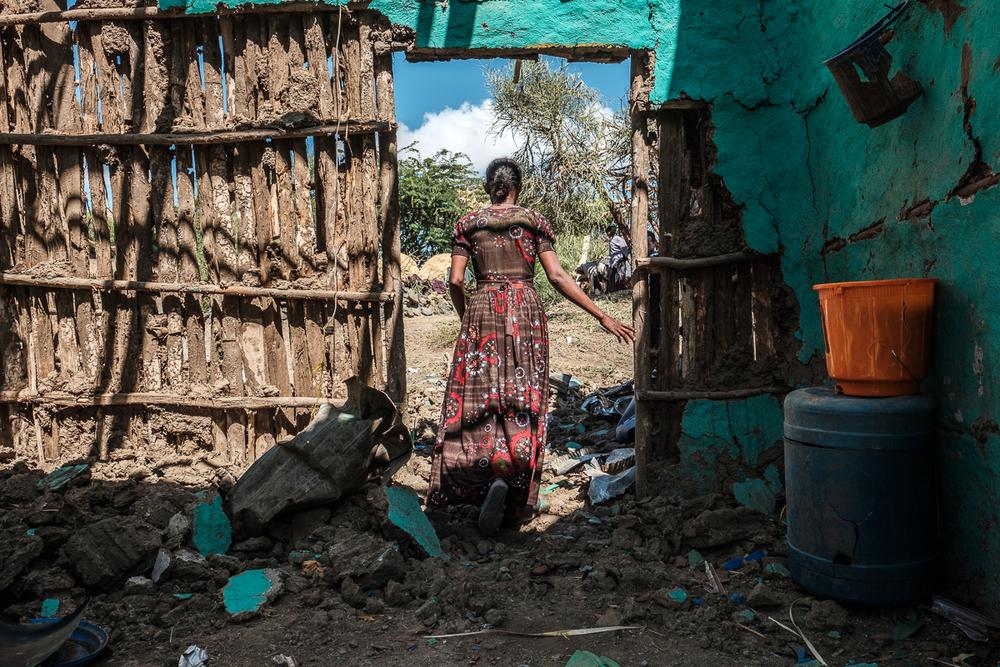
(763, 597)
(296, 584)
(494, 617)
(611, 617)
(714, 528)
(48, 580)
(102, 552)
(246, 593)
(178, 529)
(397, 595)
(16, 553)
(826, 615)
(374, 606)
(254, 544)
(387, 566)
(19, 489)
(304, 523)
(429, 612)
(352, 593)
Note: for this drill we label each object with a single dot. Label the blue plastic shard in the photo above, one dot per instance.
(405, 513)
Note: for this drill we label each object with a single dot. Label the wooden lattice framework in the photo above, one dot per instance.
(708, 329)
(198, 218)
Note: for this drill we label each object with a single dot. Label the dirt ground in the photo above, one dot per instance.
(632, 562)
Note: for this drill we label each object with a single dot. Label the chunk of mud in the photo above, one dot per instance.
(116, 40)
(103, 552)
(826, 615)
(16, 553)
(22, 488)
(713, 528)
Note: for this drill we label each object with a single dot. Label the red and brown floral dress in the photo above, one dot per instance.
(494, 417)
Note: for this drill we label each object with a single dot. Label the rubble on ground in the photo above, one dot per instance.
(131, 546)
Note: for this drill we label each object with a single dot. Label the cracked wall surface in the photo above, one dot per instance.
(838, 200)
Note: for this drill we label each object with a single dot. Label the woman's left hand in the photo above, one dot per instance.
(623, 332)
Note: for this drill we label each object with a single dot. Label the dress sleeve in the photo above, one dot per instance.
(459, 244)
(546, 239)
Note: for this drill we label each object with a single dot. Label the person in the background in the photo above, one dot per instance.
(492, 435)
(618, 260)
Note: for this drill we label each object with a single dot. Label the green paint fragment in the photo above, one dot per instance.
(432, 642)
(571, 444)
(50, 607)
(588, 659)
(695, 559)
(247, 592)
(777, 568)
(405, 512)
(212, 531)
(759, 494)
(678, 595)
(61, 477)
(747, 614)
(183, 596)
(834, 634)
(31, 531)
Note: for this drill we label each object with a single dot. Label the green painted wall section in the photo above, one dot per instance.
(726, 441)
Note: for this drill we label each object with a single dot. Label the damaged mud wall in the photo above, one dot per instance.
(841, 201)
(193, 253)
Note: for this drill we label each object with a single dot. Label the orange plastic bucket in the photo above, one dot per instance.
(878, 334)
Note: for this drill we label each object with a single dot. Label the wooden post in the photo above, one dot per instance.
(639, 101)
(389, 223)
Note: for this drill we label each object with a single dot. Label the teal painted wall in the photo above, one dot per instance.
(806, 173)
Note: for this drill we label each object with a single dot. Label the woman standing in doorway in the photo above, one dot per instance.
(492, 435)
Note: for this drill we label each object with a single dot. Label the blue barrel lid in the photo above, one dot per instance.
(820, 416)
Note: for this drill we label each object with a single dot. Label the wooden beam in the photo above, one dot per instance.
(684, 263)
(197, 138)
(65, 399)
(153, 12)
(691, 395)
(639, 98)
(290, 294)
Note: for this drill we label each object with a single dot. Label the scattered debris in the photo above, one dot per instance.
(333, 455)
(604, 487)
(406, 513)
(49, 608)
(284, 660)
(213, 533)
(245, 593)
(193, 656)
(577, 632)
(737, 562)
(975, 626)
(588, 659)
(60, 477)
(32, 643)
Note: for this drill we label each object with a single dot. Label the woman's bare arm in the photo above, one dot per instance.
(566, 286)
(456, 283)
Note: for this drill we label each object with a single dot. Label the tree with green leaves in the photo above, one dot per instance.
(434, 192)
(575, 151)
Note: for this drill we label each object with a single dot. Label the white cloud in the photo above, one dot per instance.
(463, 130)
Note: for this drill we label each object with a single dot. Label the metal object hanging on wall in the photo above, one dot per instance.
(862, 72)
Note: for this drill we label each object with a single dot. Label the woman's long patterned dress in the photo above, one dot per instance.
(494, 417)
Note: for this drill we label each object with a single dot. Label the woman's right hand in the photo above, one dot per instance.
(623, 332)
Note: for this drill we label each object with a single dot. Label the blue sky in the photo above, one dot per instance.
(446, 104)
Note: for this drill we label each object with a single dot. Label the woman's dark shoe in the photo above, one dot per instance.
(491, 515)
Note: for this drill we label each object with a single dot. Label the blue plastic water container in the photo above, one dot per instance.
(861, 495)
